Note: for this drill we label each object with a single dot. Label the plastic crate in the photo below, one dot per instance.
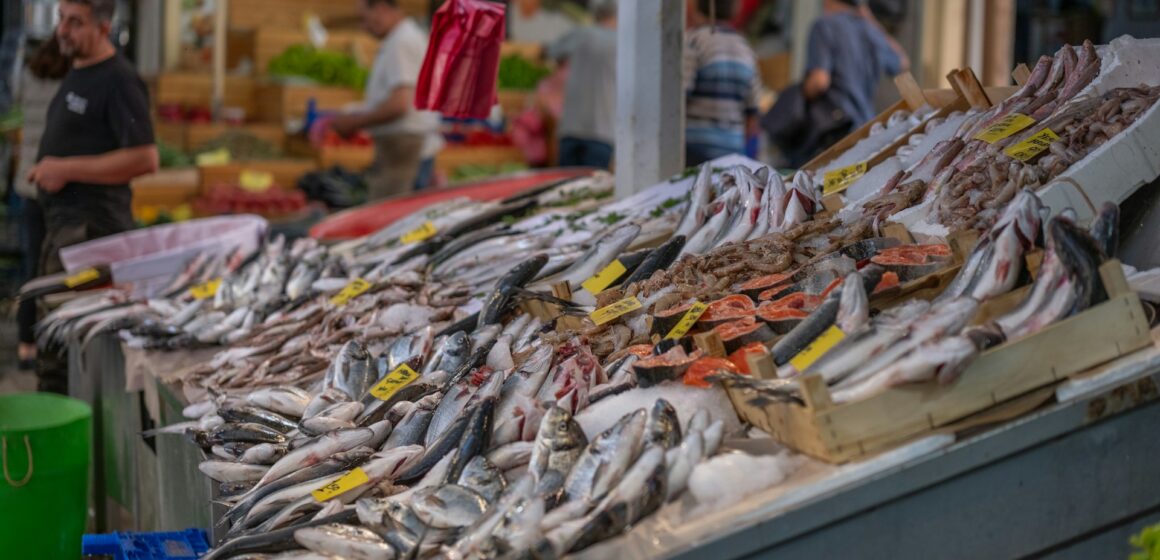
(187, 544)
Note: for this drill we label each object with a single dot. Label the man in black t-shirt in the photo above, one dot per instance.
(98, 136)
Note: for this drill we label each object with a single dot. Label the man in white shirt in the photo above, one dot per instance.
(405, 139)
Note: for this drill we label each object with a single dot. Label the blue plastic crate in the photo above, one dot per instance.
(188, 544)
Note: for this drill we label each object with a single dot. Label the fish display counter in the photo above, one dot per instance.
(730, 362)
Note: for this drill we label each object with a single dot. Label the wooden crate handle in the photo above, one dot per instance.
(832, 203)
(710, 343)
(962, 243)
(761, 365)
(910, 91)
(1112, 273)
(967, 84)
(562, 290)
(898, 231)
(815, 392)
(1020, 74)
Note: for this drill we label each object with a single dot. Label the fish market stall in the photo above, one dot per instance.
(728, 363)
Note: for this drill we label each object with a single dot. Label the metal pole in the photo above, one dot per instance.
(650, 93)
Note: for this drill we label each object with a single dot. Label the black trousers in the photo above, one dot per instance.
(32, 225)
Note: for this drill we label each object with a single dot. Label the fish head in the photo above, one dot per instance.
(664, 426)
(560, 431)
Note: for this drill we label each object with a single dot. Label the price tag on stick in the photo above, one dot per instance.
(346, 483)
(357, 287)
(393, 382)
(603, 279)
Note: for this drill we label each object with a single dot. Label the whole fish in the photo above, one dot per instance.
(413, 426)
(511, 455)
(1082, 256)
(701, 241)
(807, 330)
(319, 450)
(680, 462)
(448, 506)
(324, 400)
(853, 304)
(517, 396)
(659, 258)
(245, 432)
(476, 436)
(352, 370)
(602, 252)
(264, 454)
(346, 541)
(224, 471)
(288, 401)
(484, 478)
(944, 358)
(699, 197)
(273, 541)
(606, 458)
(497, 303)
(1105, 229)
(558, 445)
(253, 414)
(337, 463)
(663, 427)
(440, 447)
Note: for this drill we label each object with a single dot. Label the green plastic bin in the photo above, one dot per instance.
(44, 475)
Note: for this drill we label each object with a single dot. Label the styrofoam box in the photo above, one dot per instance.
(1131, 159)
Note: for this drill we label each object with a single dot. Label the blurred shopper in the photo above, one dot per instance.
(406, 139)
(34, 89)
(588, 124)
(848, 53)
(721, 84)
(97, 137)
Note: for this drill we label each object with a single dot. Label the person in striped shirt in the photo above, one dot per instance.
(721, 83)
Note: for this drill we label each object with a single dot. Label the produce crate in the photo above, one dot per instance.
(286, 172)
(530, 51)
(944, 101)
(165, 189)
(454, 156)
(254, 14)
(187, 544)
(196, 89)
(512, 101)
(352, 158)
(199, 134)
(262, 44)
(284, 102)
(841, 432)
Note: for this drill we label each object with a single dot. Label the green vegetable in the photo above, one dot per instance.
(1147, 543)
(242, 145)
(323, 66)
(172, 157)
(517, 72)
(474, 171)
(611, 218)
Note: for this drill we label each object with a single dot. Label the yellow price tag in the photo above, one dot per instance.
(687, 320)
(206, 290)
(608, 313)
(603, 279)
(83, 277)
(818, 348)
(1032, 146)
(220, 156)
(421, 233)
(253, 180)
(357, 287)
(348, 482)
(837, 180)
(1005, 127)
(397, 379)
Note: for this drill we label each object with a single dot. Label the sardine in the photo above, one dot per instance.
(224, 471)
(346, 541)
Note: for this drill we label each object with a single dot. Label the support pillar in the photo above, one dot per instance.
(650, 93)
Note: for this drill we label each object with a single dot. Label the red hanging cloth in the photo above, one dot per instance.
(459, 72)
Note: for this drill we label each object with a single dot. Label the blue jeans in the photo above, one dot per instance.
(587, 153)
(426, 173)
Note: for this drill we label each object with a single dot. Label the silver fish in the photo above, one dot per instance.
(945, 358)
(598, 256)
(699, 197)
(484, 478)
(606, 458)
(224, 471)
(352, 370)
(288, 401)
(346, 541)
(558, 446)
(448, 506)
(663, 427)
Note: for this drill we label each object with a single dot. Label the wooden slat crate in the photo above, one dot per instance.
(199, 134)
(281, 102)
(196, 89)
(264, 43)
(167, 188)
(252, 14)
(944, 100)
(840, 432)
(454, 156)
(286, 172)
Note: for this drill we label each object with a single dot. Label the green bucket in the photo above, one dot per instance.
(44, 475)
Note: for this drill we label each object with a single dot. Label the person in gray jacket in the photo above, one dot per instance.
(35, 87)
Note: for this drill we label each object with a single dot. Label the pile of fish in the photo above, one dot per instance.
(437, 471)
(918, 340)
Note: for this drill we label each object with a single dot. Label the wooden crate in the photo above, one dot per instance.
(196, 89)
(454, 156)
(775, 70)
(173, 134)
(944, 101)
(165, 189)
(281, 102)
(253, 14)
(200, 134)
(530, 51)
(262, 44)
(286, 172)
(512, 101)
(840, 432)
(353, 158)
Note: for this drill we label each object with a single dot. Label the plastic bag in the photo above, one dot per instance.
(459, 73)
